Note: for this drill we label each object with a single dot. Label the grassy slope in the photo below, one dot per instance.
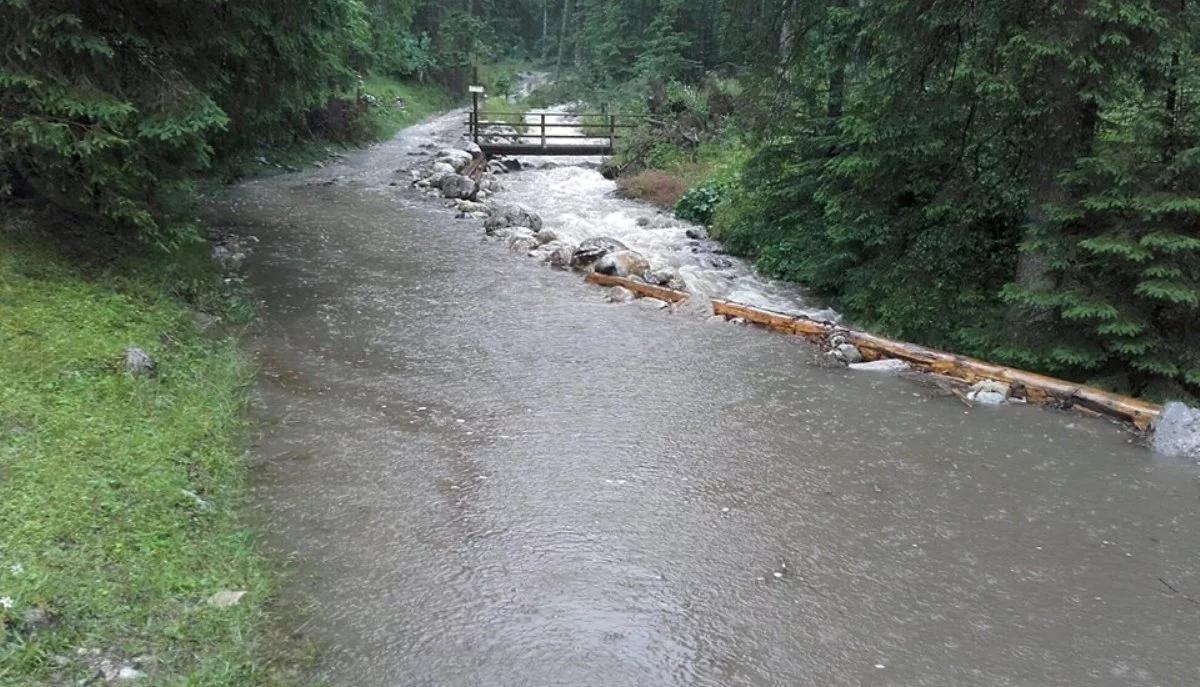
(119, 496)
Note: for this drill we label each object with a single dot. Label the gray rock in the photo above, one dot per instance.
(228, 257)
(457, 186)
(522, 241)
(653, 304)
(37, 618)
(595, 248)
(138, 362)
(847, 353)
(561, 257)
(989, 392)
(203, 321)
(1177, 432)
(720, 262)
(129, 673)
(623, 263)
(620, 294)
(458, 159)
(888, 365)
(473, 149)
(226, 598)
(546, 236)
(512, 216)
(470, 207)
(697, 233)
(643, 221)
(663, 276)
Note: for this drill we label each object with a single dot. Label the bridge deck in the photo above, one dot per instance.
(496, 149)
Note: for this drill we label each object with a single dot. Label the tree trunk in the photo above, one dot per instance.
(562, 38)
(545, 29)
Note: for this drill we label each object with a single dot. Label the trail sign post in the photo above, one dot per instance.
(475, 92)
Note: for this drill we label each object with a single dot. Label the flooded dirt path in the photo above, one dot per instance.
(487, 475)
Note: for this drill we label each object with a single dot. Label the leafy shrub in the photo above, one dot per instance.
(699, 204)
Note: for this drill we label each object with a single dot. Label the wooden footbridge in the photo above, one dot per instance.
(549, 133)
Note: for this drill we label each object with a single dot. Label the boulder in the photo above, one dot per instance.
(561, 257)
(458, 186)
(546, 236)
(662, 276)
(512, 216)
(595, 248)
(1177, 432)
(696, 233)
(458, 159)
(653, 304)
(473, 149)
(522, 243)
(511, 164)
(989, 393)
(620, 294)
(622, 263)
(847, 353)
(439, 169)
(720, 262)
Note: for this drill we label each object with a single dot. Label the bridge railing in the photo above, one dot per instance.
(546, 133)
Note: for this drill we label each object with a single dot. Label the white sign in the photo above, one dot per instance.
(475, 89)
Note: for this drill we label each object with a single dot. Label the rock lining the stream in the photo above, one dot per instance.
(622, 263)
(1177, 433)
(595, 248)
(512, 216)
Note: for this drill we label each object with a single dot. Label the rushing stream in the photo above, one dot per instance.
(487, 475)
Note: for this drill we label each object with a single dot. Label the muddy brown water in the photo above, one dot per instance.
(486, 475)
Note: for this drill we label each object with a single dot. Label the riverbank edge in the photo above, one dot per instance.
(462, 177)
(149, 572)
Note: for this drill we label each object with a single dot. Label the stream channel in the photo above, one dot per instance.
(483, 473)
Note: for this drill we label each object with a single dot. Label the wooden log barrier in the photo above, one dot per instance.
(639, 288)
(1037, 389)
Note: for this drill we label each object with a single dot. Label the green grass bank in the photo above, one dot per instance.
(121, 497)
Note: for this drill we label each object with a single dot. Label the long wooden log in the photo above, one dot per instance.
(640, 288)
(1038, 389)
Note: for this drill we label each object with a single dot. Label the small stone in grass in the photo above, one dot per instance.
(138, 362)
(226, 598)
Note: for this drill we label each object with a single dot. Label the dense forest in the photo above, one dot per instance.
(1018, 180)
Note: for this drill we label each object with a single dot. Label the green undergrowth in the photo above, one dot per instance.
(121, 496)
(394, 105)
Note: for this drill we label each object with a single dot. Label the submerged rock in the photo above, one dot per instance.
(458, 186)
(620, 294)
(889, 365)
(623, 263)
(595, 248)
(653, 304)
(512, 216)
(989, 393)
(561, 257)
(1177, 432)
(522, 241)
(847, 353)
